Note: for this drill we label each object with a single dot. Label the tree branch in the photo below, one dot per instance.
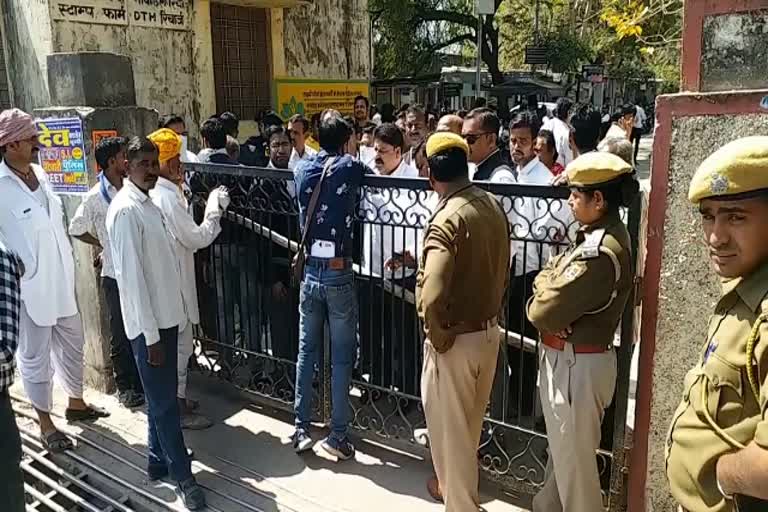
(456, 39)
(449, 16)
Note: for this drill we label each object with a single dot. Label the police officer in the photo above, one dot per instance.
(462, 276)
(577, 303)
(718, 441)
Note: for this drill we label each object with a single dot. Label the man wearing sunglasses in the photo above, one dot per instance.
(481, 131)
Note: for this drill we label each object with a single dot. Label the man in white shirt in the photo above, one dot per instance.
(51, 333)
(298, 129)
(637, 128)
(562, 131)
(147, 272)
(390, 238)
(89, 225)
(416, 130)
(481, 131)
(188, 238)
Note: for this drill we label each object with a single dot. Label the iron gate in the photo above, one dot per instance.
(249, 314)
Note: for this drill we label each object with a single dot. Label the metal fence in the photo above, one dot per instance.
(249, 314)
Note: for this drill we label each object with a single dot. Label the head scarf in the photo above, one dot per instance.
(16, 125)
(168, 142)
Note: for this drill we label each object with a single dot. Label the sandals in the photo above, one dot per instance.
(90, 413)
(56, 442)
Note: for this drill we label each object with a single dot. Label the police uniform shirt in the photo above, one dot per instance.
(719, 386)
(585, 287)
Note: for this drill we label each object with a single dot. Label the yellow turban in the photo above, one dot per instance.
(738, 167)
(442, 141)
(168, 142)
(595, 168)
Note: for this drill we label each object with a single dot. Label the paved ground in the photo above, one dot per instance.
(247, 456)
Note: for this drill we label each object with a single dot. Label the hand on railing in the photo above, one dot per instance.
(404, 259)
(218, 200)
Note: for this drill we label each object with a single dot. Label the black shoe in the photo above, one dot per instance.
(131, 399)
(343, 449)
(156, 472)
(301, 440)
(192, 494)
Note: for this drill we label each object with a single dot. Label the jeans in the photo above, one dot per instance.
(120, 352)
(330, 295)
(11, 477)
(166, 442)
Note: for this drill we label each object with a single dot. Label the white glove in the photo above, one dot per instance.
(218, 201)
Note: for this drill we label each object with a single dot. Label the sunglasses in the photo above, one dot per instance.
(472, 138)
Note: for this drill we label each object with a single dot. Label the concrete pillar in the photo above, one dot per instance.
(103, 102)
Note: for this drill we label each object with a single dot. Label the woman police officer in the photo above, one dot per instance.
(578, 300)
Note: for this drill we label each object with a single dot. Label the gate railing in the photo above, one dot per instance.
(249, 315)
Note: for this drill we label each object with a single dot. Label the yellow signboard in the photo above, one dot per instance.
(307, 97)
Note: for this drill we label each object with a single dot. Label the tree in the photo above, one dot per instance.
(411, 32)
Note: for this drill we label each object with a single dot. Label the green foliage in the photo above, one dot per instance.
(566, 51)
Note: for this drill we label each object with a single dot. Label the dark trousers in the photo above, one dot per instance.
(635, 139)
(120, 351)
(520, 376)
(166, 442)
(11, 476)
(389, 336)
(284, 324)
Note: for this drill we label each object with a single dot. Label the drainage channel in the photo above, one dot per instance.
(76, 491)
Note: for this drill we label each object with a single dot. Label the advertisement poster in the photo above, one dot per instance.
(62, 154)
(307, 97)
(97, 135)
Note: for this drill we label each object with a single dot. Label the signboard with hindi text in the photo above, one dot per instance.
(62, 154)
(307, 97)
(167, 14)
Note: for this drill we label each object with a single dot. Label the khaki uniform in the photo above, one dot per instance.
(462, 277)
(719, 386)
(585, 288)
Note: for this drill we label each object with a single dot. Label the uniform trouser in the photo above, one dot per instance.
(575, 389)
(120, 352)
(11, 477)
(165, 439)
(184, 352)
(45, 352)
(455, 387)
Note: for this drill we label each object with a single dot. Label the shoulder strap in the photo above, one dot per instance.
(313, 203)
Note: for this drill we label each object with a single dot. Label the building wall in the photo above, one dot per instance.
(27, 30)
(328, 40)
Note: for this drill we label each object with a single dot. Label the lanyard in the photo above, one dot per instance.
(103, 187)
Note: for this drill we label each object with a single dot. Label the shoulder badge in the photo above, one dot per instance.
(590, 247)
(574, 270)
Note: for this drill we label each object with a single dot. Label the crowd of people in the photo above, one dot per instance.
(460, 267)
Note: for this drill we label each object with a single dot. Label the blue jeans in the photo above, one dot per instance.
(330, 295)
(166, 442)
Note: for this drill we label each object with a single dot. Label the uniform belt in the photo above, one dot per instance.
(330, 263)
(556, 343)
(474, 326)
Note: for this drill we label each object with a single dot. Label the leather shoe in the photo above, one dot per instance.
(192, 494)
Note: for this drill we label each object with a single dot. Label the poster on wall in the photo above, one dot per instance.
(62, 154)
(164, 14)
(307, 97)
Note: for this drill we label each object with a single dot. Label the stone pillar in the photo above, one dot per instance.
(102, 101)
(720, 41)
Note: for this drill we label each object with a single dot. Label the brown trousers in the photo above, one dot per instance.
(455, 387)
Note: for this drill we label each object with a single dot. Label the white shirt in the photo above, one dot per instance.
(562, 133)
(403, 215)
(146, 267)
(91, 217)
(640, 116)
(39, 238)
(541, 220)
(188, 238)
(615, 132)
(296, 158)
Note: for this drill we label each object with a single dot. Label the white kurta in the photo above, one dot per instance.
(37, 235)
(146, 267)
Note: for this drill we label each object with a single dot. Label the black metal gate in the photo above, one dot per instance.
(249, 315)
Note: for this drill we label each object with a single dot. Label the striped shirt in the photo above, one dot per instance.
(10, 305)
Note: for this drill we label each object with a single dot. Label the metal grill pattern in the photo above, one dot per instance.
(251, 338)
